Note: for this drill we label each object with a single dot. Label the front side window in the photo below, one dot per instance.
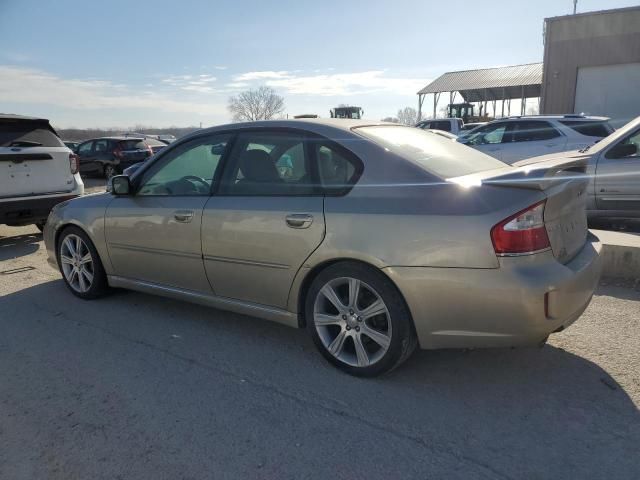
(268, 164)
(490, 134)
(533, 131)
(85, 148)
(188, 169)
(627, 148)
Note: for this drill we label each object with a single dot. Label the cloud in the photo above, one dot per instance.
(249, 76)
(220, 67)
(32, 86)
(334, 84)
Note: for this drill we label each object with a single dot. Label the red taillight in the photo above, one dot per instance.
(73, 163)
(521, 233)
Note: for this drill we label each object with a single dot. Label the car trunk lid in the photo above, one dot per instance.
(564, 183)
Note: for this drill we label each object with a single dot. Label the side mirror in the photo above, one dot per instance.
(120, 185)
(623, 150)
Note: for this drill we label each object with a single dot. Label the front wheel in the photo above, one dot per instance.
(358, 319)
(80, 264)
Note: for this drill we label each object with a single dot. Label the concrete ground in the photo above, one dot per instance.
(135, 387)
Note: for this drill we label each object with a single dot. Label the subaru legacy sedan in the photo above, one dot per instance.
(377, 237)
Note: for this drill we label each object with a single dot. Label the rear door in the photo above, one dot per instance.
(33, 160)
(618, 175)
(531, 138)
(266, 219)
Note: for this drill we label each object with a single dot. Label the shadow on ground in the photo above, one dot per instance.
(522, 413)
(19, 245)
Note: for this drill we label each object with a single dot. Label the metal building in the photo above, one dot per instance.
(592, 64)
(486, 85)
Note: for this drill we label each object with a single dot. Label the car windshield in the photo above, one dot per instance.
(436, 154)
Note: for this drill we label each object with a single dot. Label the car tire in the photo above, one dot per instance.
(110, 171)
(366, 333)
(80, 264)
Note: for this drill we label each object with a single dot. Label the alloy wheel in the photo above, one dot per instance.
(352, 321)
(77, 263)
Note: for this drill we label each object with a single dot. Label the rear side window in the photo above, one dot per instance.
(590, 129)
(27, 134)
(533, 131)
(434, 153)
(154, 143)
(133, 145)
(441, 125)
(338, 169)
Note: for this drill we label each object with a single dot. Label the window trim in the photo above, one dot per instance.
(160, 161)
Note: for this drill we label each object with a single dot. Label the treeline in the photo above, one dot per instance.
(79, 134)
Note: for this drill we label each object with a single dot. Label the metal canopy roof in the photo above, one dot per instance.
(499, 83)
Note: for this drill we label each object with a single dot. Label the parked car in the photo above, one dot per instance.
(72, 145)
(109, 156)
(442, 133)
(37, 171)
(613, 167)
(452, 125)
(380, 237)
(516, 138)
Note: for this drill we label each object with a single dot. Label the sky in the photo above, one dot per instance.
(84, 63)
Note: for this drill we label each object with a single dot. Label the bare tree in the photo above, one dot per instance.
(390, 119)
(260, 104)
(408, 116)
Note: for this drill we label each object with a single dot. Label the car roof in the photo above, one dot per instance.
(11, 116)
(113, 138)
(567, 117)
(311, 124)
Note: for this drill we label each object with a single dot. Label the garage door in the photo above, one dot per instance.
(610, 90)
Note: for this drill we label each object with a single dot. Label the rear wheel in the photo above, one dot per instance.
(80, 264)
(358, 319)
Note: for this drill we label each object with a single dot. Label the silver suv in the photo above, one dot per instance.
(516, 138)
(37, 171)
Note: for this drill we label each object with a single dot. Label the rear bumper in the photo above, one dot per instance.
(473, 308)
(29, 210)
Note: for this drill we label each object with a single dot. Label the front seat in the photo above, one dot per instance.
(260, 174)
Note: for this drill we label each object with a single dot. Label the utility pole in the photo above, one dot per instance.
(575, 6)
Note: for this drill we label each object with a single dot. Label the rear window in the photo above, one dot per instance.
(590, 129)
(436, 154)
(27, 134)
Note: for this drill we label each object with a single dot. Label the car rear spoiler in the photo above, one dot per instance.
(534, 176)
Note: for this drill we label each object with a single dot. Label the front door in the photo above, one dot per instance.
(618, 176)
(266, 219)
(154, 234)
(87, 161)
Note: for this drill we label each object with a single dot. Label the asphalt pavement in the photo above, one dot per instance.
(134, 386)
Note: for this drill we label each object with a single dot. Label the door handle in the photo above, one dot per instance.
(299, 220)
(183, 216)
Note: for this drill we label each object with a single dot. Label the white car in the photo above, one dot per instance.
(37, 171)
(516, 138)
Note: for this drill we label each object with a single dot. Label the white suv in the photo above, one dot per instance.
(516, 138)
(37, 171)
